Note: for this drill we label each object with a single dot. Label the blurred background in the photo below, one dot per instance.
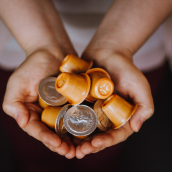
(148, 150)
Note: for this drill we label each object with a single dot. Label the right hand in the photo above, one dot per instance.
(129, 83)
(21, 97)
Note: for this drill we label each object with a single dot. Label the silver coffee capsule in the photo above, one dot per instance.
(48, 94)
(59, 126)
(104, 122)
(80, 120)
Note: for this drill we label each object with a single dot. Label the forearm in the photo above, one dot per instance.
(128, 24)
(36, 24)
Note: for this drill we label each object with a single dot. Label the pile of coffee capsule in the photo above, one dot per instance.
(76, 84)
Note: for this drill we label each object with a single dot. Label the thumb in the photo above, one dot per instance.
(13, 103)
(142, 114)
(18, 111)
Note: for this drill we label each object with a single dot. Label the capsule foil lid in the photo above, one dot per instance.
(80, 120)
(48, 93)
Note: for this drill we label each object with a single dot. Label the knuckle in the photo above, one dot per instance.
(150, 111)
(52, 149)
(62, 152)
(5, 107)
(100, 141)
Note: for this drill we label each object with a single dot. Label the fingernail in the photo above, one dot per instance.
(19, 120)
(139, 124)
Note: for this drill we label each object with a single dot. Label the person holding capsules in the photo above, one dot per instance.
(38, 29)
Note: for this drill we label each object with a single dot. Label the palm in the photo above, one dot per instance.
(22, 101)
(129, 83)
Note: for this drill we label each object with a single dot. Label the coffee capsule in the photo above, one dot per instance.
(59, 126)
(103, 121)
(118, 110)
(80, 121)
(101, 85)
(74, 87)
(49, 116)
(48, 96)
(53, 118)
(73, 64)
(81, 137)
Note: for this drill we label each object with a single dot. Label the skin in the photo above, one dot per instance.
(135, 88)
(38, 29)
(124, 29)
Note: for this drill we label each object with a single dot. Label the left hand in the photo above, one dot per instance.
(21, 97)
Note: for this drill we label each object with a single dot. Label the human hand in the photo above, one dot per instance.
(130, 84)
(21, 97)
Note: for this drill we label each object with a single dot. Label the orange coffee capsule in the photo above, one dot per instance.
(74, 87)
(53, 118)
(118, 110)
(81, 137)
(49, 116)
(42, 103)
(104, 122)
(73, 64)
(101, 85)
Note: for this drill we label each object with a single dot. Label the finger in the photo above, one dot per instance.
(145, 104)
(61, 150)
(71, 154)
(141, 95)
(38, 130)
(134, 85)
(79, 154)
(50, 147)
(99, 149)
(34, 107)
(13, 104)
(142, 114)
(18, 111)
(87, 148)
(112, 137)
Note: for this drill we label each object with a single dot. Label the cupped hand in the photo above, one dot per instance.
(21, 97)
(130, 84)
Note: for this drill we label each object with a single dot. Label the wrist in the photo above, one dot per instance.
(56, 51)
(102, 52)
